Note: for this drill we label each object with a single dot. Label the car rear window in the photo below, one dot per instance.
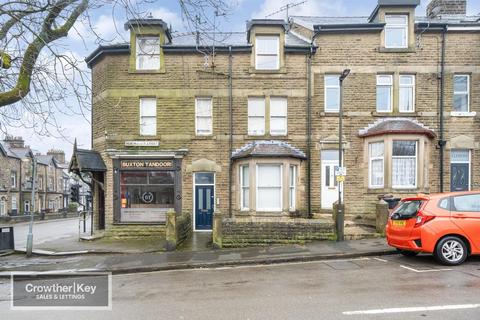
(407, 209)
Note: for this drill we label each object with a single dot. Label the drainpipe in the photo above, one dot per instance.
(441, 141)
(230, 149)
(309, 123)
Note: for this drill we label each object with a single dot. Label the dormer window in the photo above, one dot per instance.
(267, 52)
(148, 53)
(396, 31)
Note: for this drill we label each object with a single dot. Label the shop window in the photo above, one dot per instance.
(256, 116)
(404, 164)
(407, 93)
(396, 31)
(292, 175)
(332, 93)
(245, 187)
(376, 164)
(267, 52)
(384, 93)
(148, 116)
(148, 53)
(278, 116)
(461, 93)
(146, 195)
(269, 187)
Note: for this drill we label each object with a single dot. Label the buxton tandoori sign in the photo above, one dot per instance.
(146, 164)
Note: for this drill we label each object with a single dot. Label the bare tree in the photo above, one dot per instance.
(41, 77)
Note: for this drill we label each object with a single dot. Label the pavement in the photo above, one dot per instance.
(191, 259)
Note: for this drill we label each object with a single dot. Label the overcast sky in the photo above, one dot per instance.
(109, 24)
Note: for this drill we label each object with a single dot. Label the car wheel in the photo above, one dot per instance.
(408, 253)
(451, 251)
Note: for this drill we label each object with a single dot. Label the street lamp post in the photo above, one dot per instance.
(340, 217)
(32, 209)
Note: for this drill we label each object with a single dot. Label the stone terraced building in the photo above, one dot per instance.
(246, 124)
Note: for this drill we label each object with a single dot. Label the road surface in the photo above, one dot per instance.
(392, 287)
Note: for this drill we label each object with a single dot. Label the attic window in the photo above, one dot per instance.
(396, 31)
(148, 53)
(267, 52)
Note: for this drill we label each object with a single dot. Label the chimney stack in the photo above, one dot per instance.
(59, 155)
(439, 8)
(14, 142)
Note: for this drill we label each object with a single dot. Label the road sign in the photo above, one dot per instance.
(340, 178)
(340, 171)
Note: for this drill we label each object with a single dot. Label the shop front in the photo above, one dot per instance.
(145, 189)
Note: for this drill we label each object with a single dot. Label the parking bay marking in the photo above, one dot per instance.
(413, 309)
(423, 271)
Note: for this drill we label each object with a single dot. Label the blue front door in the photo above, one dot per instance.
(204, 205)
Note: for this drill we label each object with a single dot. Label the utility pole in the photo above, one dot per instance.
(340, 218)
(32, 208)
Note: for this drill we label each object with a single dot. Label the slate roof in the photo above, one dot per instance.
(396, 126)
(44, 159)
(6, 148)
(268, 149)
(87, 161)
(21, 153)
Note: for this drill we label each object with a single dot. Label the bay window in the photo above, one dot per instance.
(148, 116)
(292, 175)
(267, 52)
(256, 116)
(269, 187)
(278, 116)
(396, 31)
(203, 116)
(407, 93)
(404, 164)
(245, 186)
(148, 53)
(376, 164)
(384, 93)
(461, 93)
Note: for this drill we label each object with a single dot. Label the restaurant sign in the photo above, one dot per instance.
(146, 164)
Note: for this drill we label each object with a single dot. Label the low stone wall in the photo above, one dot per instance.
(253, 231)
(178, 228)
(134, 231)
(26, 218)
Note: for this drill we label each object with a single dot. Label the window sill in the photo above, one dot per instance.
(265, 137)
(396, 50)
(391, 190)
(329, 114)
(463, 114)
(205, 137)
(394, 114)
(282, 70)
(134, 71)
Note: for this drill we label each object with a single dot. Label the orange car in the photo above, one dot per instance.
(445, 224)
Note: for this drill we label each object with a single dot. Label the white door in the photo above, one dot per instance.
(329, 189)
(329, 184)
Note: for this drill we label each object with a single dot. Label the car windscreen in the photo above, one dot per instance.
(407, 209)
